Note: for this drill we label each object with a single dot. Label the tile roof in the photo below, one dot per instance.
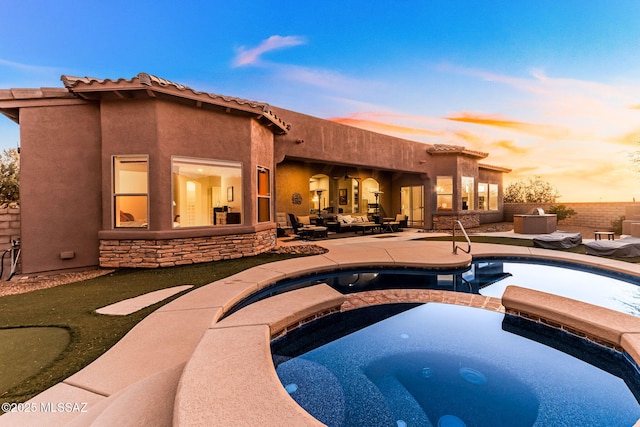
(12, 100)
(455, 149)
(494, 168)
(83, 86)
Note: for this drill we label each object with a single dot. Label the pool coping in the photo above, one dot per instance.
(131, 380)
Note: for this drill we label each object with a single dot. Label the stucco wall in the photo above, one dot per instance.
(340, 144)
(60, 175)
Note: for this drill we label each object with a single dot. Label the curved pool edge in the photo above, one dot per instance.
(236, 411)
(136, 359)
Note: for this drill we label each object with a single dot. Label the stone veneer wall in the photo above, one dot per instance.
(173, 252)
(9, 230)
(588, 214)
(445, 221)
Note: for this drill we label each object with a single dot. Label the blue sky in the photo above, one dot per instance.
(547, 88)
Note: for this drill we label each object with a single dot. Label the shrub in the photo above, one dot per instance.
(562, 212)
(616, 225)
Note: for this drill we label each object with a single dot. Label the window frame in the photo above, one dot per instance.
(224, 192)
(267, 196)
(115, 194)
(494, 201)
(471, 193)
(440, 194)
(484, 194)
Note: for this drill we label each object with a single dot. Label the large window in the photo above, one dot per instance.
(488, 197)
(206, 192)
(130, 191)
(493, 197)
(444, 191)
(264, 194)
(468, 193)
(483, 196)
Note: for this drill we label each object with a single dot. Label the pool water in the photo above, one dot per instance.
(446, 365)
(487, 277)
(609, 292)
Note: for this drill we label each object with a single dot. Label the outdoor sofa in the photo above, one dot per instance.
(352, 223)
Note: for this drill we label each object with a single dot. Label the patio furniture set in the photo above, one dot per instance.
(312, 227)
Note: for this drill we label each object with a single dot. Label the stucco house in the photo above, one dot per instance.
(144, 172)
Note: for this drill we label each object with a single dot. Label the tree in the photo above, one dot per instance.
(9, 176)
(535, 190)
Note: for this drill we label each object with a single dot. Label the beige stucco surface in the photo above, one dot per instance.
(70, 136)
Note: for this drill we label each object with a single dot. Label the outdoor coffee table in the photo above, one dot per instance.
(610, 235)
(365, 226)
(313, 232)
(390, 226)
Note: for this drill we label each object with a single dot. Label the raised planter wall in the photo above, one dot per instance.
(172, 252)
(446, 221)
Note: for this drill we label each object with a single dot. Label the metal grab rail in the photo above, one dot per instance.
(456, 247)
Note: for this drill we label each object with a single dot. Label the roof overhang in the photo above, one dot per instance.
(12, 100)
(444, 149)
(494, 168)
(149, 86)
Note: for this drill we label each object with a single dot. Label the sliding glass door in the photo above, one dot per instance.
(412, 204)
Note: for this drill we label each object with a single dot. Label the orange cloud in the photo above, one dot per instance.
(468, 137)
(523, 171)
(631, 138)
(382, 127)
(509, 146)
(547, 131)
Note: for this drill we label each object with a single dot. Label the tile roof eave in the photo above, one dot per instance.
(455, 149)
(148, 82)
(494, 168)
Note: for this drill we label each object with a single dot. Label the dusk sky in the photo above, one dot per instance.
(547, 88)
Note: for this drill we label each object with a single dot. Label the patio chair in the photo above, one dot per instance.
(282, 224)
(402, 221)
(306, 231)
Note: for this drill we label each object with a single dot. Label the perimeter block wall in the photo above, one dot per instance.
(588, 214)
(9, 230)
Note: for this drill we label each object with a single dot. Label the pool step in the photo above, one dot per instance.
(604, 326)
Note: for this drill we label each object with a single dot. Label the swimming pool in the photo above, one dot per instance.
(485, 276)
(615, 291)
(446, 365)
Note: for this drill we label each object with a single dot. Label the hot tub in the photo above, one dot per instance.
(535, 223)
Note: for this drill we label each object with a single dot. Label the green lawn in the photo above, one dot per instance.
(47, 335)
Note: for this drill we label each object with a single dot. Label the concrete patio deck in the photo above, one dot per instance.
(183, 366)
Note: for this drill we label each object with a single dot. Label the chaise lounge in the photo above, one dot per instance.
(557, 240)
(626, 247)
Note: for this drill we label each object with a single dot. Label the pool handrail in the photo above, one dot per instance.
(456, 247)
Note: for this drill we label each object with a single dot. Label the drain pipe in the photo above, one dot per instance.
(464, 232)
